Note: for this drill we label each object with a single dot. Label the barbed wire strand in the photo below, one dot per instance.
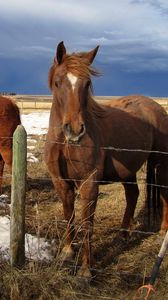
(97, 146)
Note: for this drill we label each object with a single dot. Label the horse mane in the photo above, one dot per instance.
(77, 66)
(96, 110)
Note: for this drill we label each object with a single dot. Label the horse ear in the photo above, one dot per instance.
(61, 51)
(89, 56)
(50, 76)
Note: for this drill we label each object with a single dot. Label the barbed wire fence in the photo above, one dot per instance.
(141, 180)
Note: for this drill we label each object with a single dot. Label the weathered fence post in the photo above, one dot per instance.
(18, 193)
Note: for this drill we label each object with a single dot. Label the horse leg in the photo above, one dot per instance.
(5, 158)
(131, 194)
(88, 194)
(6, 155)
(67, 195)
(162, 177)
(69, 214)
(1, 171)
(164, 224)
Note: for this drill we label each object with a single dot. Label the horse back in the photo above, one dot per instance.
(143, 107)
(9, 117)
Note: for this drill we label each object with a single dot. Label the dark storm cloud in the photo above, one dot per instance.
(132, 35)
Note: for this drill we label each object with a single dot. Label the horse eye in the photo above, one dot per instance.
(88, 83)
(57, 84)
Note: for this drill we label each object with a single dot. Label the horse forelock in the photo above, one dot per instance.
(77, 66)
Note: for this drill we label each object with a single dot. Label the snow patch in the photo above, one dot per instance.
(35, 123)
(35, 248)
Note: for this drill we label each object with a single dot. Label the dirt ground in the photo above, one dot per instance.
(121, 265)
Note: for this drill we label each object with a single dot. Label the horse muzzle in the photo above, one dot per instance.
(73, 136)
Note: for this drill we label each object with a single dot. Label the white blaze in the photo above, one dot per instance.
(73, 79)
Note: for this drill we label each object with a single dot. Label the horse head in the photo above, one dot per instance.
(70, 82)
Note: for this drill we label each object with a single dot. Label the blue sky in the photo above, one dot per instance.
(132, 34)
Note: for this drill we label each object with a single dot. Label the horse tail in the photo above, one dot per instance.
(153, 191)
(17, 111)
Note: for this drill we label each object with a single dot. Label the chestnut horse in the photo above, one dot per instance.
(83, 145)
(9, 120)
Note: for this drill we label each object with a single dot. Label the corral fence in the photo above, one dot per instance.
(44, 101)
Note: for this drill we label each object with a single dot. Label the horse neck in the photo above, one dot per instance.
(95, 111)
(95, 116)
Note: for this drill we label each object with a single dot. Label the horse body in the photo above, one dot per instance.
(9, 120)
(98, 151)
(90, 144)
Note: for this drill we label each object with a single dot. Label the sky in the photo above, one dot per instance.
(132, 34)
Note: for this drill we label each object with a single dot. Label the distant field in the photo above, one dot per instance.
(44, 101)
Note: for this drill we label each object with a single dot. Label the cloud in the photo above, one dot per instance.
(92, 13)
(65, 10)
(132, 34)
(161, 5)
(34, 50)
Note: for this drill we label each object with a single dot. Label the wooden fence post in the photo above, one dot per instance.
(18, 194)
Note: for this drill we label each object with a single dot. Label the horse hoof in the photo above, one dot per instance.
(67, 254)
(84, 274)
(83, 281)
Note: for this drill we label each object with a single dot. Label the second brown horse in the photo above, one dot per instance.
(9, 120)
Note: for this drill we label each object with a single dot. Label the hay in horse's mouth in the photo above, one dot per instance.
(74, 141)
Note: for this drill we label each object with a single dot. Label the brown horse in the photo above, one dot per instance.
(84, 140)
(9, 119)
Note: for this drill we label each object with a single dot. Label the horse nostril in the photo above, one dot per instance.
(83, 129)
(73, 134)
(67, 128)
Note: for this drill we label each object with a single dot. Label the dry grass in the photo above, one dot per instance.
(121, 266)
